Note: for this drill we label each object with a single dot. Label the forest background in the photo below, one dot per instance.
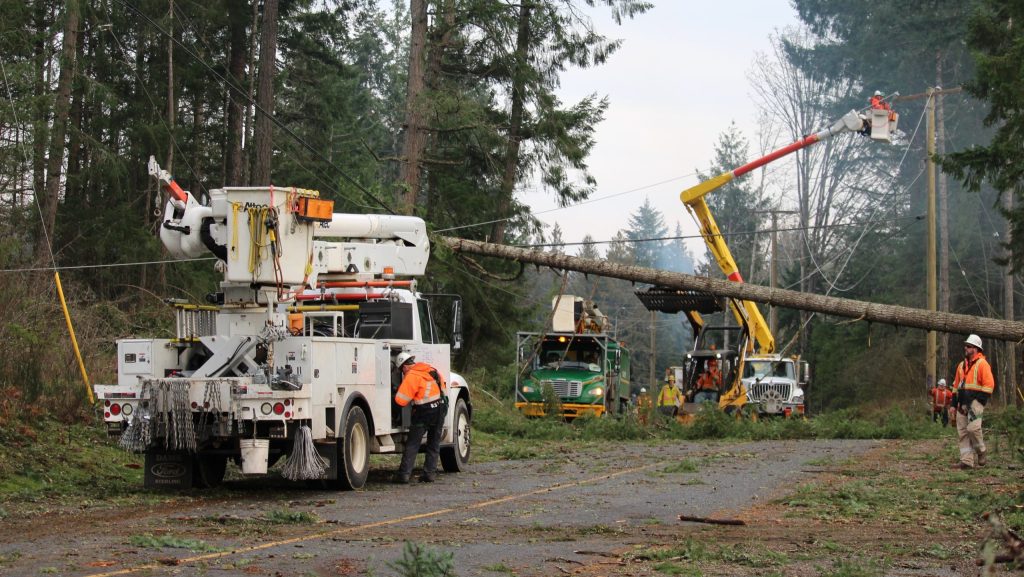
(447, 108)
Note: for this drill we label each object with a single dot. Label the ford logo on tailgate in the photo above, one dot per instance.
(168, 470)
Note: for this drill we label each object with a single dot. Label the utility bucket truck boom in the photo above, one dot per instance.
(292, 357)
(777, 391)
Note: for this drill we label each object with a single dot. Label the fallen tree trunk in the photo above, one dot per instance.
(859, 310)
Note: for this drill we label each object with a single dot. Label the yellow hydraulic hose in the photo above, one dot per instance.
(74, 341)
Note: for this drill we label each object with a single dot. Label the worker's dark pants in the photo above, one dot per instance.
(425, 419)
(944, 415)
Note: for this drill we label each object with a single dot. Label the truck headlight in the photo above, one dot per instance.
(527, 389)
(798, 399)
(597, 391)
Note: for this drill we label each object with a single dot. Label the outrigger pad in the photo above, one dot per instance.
(669, 300)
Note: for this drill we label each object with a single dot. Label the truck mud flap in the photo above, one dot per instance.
(168, 471)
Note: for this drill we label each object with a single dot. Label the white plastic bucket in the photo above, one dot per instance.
(254, 455)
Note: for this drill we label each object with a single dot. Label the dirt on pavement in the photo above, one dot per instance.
(584, 512)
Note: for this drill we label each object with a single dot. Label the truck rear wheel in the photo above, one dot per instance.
(208, 470)
(455, 458)
(354, 451)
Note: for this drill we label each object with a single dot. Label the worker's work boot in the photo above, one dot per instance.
(428, 477)
(401, 479)
(982, 458)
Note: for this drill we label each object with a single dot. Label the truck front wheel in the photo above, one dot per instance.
(455, 458)
(354, 451)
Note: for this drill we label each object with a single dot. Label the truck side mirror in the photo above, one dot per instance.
(457, 325)
(805, 373)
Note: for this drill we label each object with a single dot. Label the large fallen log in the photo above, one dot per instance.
(859, 310)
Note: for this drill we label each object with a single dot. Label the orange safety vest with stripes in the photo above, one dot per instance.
(975, 375)
(419, 387)
(710, 380)
(941, 398)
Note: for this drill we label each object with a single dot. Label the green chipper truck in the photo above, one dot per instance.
(577, 362)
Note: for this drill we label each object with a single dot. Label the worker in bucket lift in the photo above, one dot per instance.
(709, 383)
(424, 387)
(878, 102)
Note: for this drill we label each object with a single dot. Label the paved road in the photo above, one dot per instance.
(532, 517)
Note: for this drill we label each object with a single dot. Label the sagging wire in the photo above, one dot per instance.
(849, 256)
(580, 203)
(49, 249)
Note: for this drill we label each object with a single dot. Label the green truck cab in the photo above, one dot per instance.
(577, 363)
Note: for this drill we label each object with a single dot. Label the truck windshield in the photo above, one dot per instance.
(761, 369)
(576, 360)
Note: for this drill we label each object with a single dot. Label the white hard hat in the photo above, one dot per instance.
(942, 382)
(878, 93)
(974, 341)
(404, 357)
(643, 389)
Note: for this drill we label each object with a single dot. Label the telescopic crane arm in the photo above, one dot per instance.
(693, 198)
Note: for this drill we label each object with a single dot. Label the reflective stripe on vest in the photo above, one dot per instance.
(427, 397)
(971, 380)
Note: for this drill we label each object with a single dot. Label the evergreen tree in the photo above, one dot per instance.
(646, 230)
(738, 207)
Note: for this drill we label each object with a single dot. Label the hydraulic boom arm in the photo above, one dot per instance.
(693, 198)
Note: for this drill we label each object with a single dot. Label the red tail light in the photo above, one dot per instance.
(115, 409)
(278, 408)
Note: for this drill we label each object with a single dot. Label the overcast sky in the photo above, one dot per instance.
(677, 82)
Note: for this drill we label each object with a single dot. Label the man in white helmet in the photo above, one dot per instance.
(973, 387)
(424, 387)
(941, 398)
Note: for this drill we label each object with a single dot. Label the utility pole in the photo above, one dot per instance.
(654, 354)
(1010, 370)
(932, 94)
(773, 315)
(932, 277)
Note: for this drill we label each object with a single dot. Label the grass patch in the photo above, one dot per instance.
(865, 568)
(284, 517)
(683, 466)
(673, 568)
(148, 541)
(499, 568)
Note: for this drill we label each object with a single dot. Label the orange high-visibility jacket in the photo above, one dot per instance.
(418, 387)
(976, 375)
(958, 380)
(710, 380)
(941, 398)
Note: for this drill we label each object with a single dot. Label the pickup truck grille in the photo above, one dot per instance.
(564, 388)
(780, 391)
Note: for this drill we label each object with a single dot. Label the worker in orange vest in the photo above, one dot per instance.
(709, 383)
(941, 397)
(424, 387)
(974, 385)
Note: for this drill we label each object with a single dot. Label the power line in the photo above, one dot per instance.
(580, 203)
(725, 235)
(108, 265)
